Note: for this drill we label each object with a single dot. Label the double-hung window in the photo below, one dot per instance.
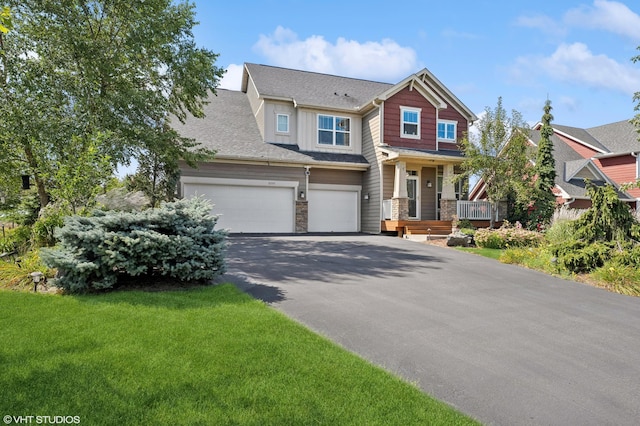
(410, 122)
(447, 130)
(282, 123)
(334, 130)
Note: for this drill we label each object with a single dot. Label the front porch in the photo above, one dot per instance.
(422, 194)
(417, 227)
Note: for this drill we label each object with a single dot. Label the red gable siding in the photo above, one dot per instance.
(462, 128)
(409, 98)
(578, 147)
(621, 169)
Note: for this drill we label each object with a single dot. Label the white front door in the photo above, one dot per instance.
(412, 193)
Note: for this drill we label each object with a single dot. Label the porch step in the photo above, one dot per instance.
(417, 227)
(440, 228)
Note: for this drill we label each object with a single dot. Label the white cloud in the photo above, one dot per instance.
(385, 60)
(232, 79)
(575, 63)
(611, 16)
(569, 103)
(543, 23)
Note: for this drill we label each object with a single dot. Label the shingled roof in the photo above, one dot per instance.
(571, 168)
(231, 130)
(311, 88)
(583, 136)
(619, 137)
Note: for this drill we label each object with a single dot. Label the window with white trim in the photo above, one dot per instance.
(282, 123)
(447, 130)
(334, 130)
(410, 122)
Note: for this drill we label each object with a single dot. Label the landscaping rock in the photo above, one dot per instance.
(458, 239)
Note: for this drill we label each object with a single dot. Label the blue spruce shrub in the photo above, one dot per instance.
(176, 240)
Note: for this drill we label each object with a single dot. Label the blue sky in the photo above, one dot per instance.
(575, 52)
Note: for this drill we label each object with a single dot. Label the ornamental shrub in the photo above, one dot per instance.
(176, 240)
(579, 256)
(507, 236)
(488, 238)
(622, 279)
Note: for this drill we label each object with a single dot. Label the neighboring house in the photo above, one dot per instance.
(604, 154)
(300, 152)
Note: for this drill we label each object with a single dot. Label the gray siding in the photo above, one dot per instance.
(308, 132)
(256, 106)
(429, 195)
(388, 177)
(371, 212)
(271, 111)
(244, 171)
(335, 177)
(264, 172)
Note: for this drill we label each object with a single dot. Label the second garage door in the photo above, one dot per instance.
(247, 207)
(333, 209)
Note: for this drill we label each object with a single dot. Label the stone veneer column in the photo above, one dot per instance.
(400, 199)
(448, 208)
(448, 202)
(302, 216)
(399, 208)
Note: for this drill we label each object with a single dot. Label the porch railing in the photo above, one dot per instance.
(475, 210)
(386, 209)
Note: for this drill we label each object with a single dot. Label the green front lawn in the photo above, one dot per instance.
(486, 252)
(203, 356)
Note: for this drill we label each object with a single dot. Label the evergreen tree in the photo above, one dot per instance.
(545, 170)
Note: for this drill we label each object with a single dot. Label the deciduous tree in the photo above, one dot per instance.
(498, 154)
(95, 81)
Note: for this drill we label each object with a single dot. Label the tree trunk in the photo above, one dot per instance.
(43, 195)
(492, 219)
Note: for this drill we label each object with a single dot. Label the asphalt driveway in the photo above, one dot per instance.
(503, 344)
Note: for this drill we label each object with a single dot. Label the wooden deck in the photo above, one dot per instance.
(417, 227)
(426, 227)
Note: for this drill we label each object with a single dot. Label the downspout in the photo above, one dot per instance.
(437, 119)
(380, 107)
(635, 155)
(307, 173)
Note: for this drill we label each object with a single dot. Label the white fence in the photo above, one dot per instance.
(475, 210)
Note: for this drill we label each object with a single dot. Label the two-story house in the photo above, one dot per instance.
(299, 151)
(605, 154)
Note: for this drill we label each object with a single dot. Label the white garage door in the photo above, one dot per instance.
(333, 210)
(246, 208)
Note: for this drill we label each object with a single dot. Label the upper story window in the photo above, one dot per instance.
(410, 122)
(282, 123)
(447, 130)
(334, 130)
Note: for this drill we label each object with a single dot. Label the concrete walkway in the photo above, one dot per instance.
(506, 345)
